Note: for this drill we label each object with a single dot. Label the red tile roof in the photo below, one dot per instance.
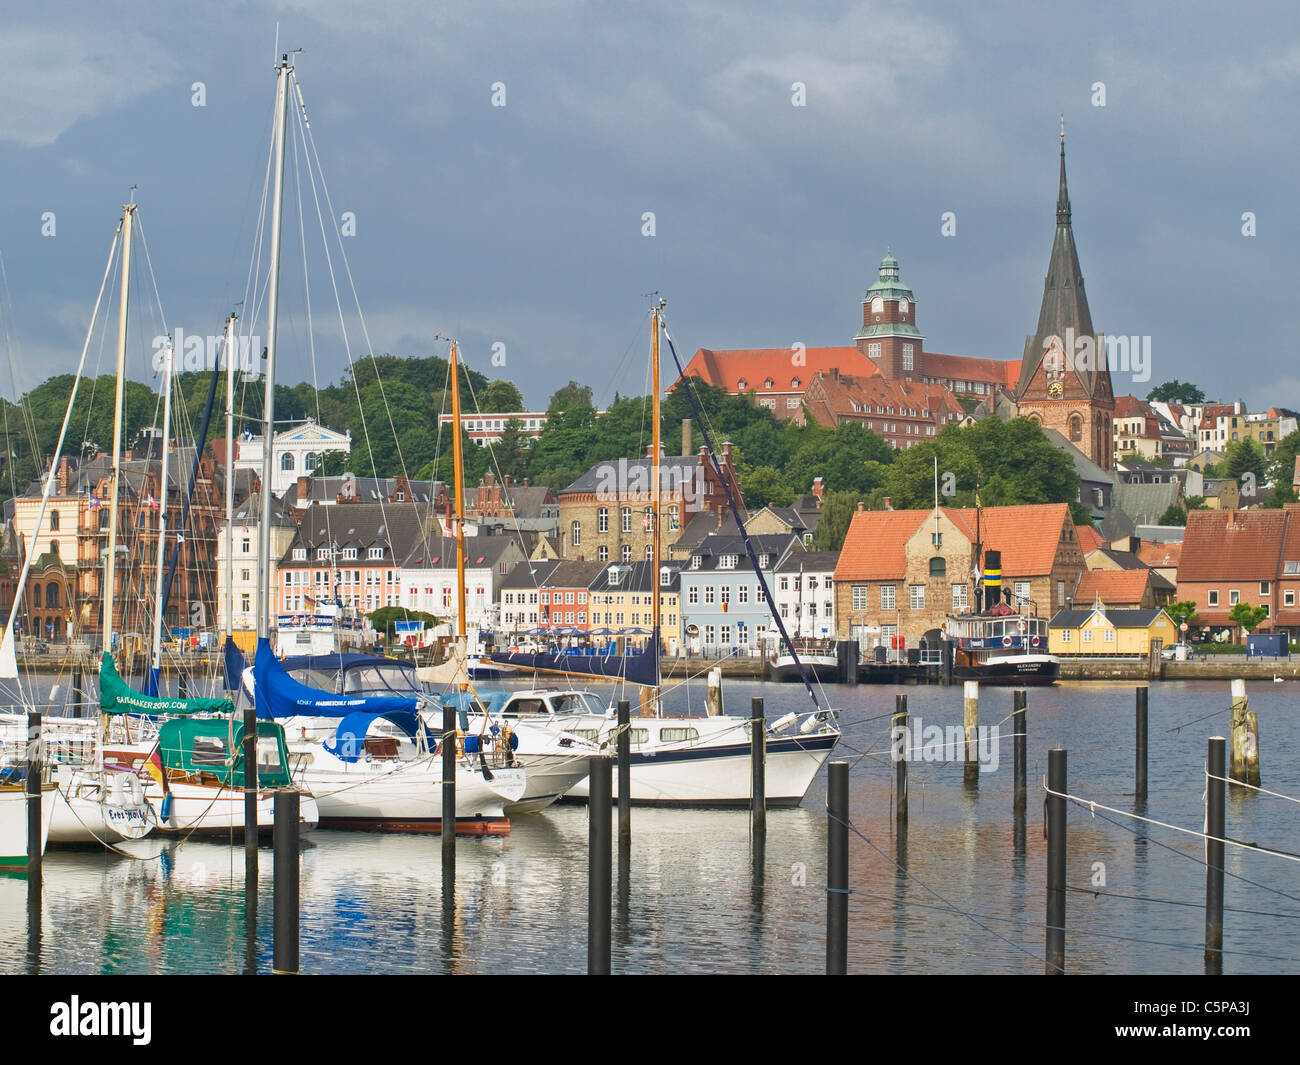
(971, 368)
(832, 397)
(1231, 545)
(1115, 588)
(1089, 539)
(1156, 554)
(746, 369)
(874, 546)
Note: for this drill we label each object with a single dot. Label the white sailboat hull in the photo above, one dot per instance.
(13, 824)
(212, 810)
(84, 814)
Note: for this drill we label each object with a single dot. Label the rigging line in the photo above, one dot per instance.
(912, 876)
(740, 525)
(1252, 787)
(1176, 946)
(1212, 713)
(1175, 902)
(1088, 804)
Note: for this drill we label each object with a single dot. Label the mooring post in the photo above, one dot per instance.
(757, 769)
(624, 750)
(448, 825)
(971, 774)
(1216, 822)
(599, 872)
(902, 736)
(1020, 749)
(1056, 848)
(35, 842)
(1245, 738)
(837, 869)
(1140, 771)
(76, 691)
(285, 962)
(713, 693)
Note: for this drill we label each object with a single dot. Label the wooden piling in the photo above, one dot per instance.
(599, 869)
(1245, 738)
(1140, 768)
(1215, 822)
(33, 788)
(448, 826)
(713, 694)
(1056, 854)
(285, 961)
(624, 750)
(971, 691)
(1020, 757)
(76, 691)
(902, 736)
(837, 869)
(757, 769)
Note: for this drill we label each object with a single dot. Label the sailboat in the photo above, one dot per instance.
(369, 759)
(91, 801)
(675, 760)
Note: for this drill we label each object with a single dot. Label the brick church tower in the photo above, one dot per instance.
(889, 337)
(1064, 377)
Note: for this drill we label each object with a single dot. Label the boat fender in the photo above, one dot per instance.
(810, 724)
(137, 790)
(165, 812)
(115, 788)
(471, 745)
(783, 723)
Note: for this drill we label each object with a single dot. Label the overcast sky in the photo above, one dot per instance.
(522, 225)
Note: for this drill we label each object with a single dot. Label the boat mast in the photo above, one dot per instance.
(128, 217)
(230, 476)
(655, 492)
(283, 73)
(458, 486)
(156, 665)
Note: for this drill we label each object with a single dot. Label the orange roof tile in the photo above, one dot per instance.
(1090, 539)
(1027, 535)
(1156, 554)
(1231, 545)
(1116, 588)
(749, 369)
(874, 545)
(971, 368)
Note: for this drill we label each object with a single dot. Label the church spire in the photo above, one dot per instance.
(1063, 195)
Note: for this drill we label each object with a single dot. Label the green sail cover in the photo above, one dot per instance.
(118, 697)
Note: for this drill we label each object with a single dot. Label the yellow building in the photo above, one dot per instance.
(1098, 631)
(621, 603)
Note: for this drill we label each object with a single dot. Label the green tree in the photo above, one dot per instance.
(386, 617)
(512, 452)
(1245, 460)
(572, 397)
(838, 508)
(1176, 392)
(1281, 464)
(1174, 515)
(1196, 503)
(1181, 612)
(1247, 617)
(765, 485)
(500, 397)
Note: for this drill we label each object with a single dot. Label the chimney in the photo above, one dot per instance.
(304, 487)
(63, 475)
(507, 480)
(819, 490)
(888, 504)
(861, 506)
(686, 437)
(525, 482)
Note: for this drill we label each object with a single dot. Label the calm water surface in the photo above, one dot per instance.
(697, 898)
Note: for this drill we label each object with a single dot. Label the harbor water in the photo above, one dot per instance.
(697, 897)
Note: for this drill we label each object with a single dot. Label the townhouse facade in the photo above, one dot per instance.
(428, 577)
(804, 593)
(723, 606)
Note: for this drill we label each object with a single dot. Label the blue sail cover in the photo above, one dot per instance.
(350, 735)
(279, 695)
(234, 665)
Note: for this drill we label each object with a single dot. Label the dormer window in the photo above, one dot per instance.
(665, 577)
(695, 562)
(795, 382)
(728, 561)
(299, 553)
(375, 553)
(878, 306)
(741, 385)
(768, 383)
(322, 554)
(615, 576)
(763, 560)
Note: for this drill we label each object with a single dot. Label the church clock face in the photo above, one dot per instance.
(1054, 390)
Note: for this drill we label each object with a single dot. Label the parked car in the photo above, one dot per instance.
(1171, 652)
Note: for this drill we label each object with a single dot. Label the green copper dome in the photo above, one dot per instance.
(889, 287)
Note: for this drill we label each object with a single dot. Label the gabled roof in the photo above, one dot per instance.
(809, 562)
(1232, 545)
(1127, 587)
(1005, 372)
(439, 552)
(529, 574)
(1157, 554)
(1089, 538)
(393, 526)
(1120, 619)
(571, 574)
(749, 369)
(1147, 503)
(636, 577)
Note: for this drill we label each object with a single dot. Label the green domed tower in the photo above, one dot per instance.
(889, 337)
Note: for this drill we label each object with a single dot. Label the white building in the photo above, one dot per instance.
(294, 451)
(428, 577)
(247, 517)
(804, 594)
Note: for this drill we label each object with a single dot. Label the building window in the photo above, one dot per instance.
(1234, 597)
(626, 553)
(577, 533)
(1110, 635)
(1060, 593)
(742, 593)
(286, 462)
(1087, 635)
(1213, 598)
(602, 553)
(1022, 593)
(708, 593)
(375, 552)
(916, 596)
(907, 356)
(54, 521)
(938, 567)
(602, 520)
(878, 306)
(1288, 598)
(959, 597)
(859, 597)
(1066, 636)
(886, 597)
(693, 594)
(873, 350)
(1264, 587)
